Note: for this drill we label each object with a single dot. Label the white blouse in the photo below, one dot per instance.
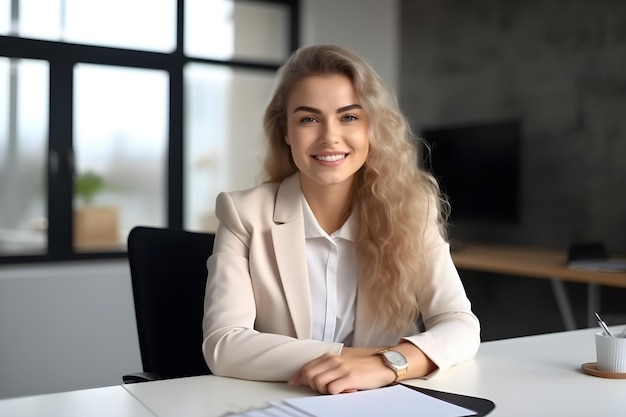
(332, 267)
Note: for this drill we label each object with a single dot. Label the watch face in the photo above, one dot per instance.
(395, 358)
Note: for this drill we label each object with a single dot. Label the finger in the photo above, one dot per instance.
(331, 377)
(302, 376)
(296, 379)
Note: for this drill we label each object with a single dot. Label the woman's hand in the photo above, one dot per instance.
(351, 371)
(358, 369)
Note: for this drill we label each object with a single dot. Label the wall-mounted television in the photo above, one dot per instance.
(478, 168)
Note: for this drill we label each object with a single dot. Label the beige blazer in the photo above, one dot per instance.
(257, 313)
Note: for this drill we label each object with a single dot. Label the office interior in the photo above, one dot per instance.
(556, 67)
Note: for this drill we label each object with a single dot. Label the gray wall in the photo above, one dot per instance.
(66, 326)
(557, 65)
(368, 27)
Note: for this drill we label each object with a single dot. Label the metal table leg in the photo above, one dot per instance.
(562, 299)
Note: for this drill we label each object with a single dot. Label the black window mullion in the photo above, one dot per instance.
(62, 58)
(60, 160)
(175, 169)
(175, 175)
(295, 25)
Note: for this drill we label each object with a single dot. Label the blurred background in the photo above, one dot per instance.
(134, 112)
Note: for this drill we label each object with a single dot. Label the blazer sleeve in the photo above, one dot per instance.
(232, 345)
(452, 332)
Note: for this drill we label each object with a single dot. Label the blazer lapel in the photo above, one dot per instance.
(290, 250)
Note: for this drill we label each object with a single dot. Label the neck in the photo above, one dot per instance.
(330, 204)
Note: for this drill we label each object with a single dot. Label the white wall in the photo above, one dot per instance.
(72, 326)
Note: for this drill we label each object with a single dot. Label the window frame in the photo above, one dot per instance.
(62, 57)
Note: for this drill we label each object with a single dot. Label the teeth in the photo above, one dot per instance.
(329, 158)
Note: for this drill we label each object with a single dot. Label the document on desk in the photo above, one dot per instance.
(397, 401)
(602, 265)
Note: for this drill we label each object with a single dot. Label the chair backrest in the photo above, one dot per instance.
(168, 273)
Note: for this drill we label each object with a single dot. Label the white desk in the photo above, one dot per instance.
(210, 396)
(98, 402)
(527, 376)
(537, 376)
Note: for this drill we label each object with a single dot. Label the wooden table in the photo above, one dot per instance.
(541, 263)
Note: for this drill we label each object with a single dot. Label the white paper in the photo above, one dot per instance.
(397, 401)
(603, 265)
(265, 412)
(283, 409)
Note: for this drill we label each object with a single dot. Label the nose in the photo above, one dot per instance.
(330, 132)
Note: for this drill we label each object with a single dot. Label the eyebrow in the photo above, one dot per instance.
(317, 111)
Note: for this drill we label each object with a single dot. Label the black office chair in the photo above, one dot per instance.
(168, 273)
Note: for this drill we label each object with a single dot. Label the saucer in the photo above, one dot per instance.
(591, 368)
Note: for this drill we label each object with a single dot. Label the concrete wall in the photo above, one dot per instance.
(557, 65)
(368, 27)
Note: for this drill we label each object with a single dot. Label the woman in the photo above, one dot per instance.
(319, 275)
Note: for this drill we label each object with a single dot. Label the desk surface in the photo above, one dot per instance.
(97, 402)
(537, 375)
(527, 376)
(530, 262)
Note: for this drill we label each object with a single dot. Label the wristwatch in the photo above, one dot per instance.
(396, 361)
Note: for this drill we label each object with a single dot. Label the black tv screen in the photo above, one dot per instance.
(478, 168)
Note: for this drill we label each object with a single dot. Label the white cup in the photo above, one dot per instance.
(610, 353)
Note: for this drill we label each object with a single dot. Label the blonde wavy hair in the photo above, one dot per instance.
(393, 198)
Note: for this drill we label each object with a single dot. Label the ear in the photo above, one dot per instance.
(287, 140)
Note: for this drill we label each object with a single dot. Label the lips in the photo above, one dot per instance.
(330, 158)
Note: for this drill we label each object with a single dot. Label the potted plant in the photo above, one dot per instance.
(87, 185)
(95, 226)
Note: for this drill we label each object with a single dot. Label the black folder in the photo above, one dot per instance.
(480, 406)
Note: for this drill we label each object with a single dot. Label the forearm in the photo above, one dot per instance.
(251, 355)
(419, 364)
(360, 352)
(450, 340)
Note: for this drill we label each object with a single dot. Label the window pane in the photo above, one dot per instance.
(40, 19)
(228, 29)
(224, 136)
(137, 24)
(23, 149)
(5, 17)
(120, 141)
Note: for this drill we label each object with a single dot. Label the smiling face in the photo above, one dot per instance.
(327, 131)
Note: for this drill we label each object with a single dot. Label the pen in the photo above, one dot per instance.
(603, 325)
